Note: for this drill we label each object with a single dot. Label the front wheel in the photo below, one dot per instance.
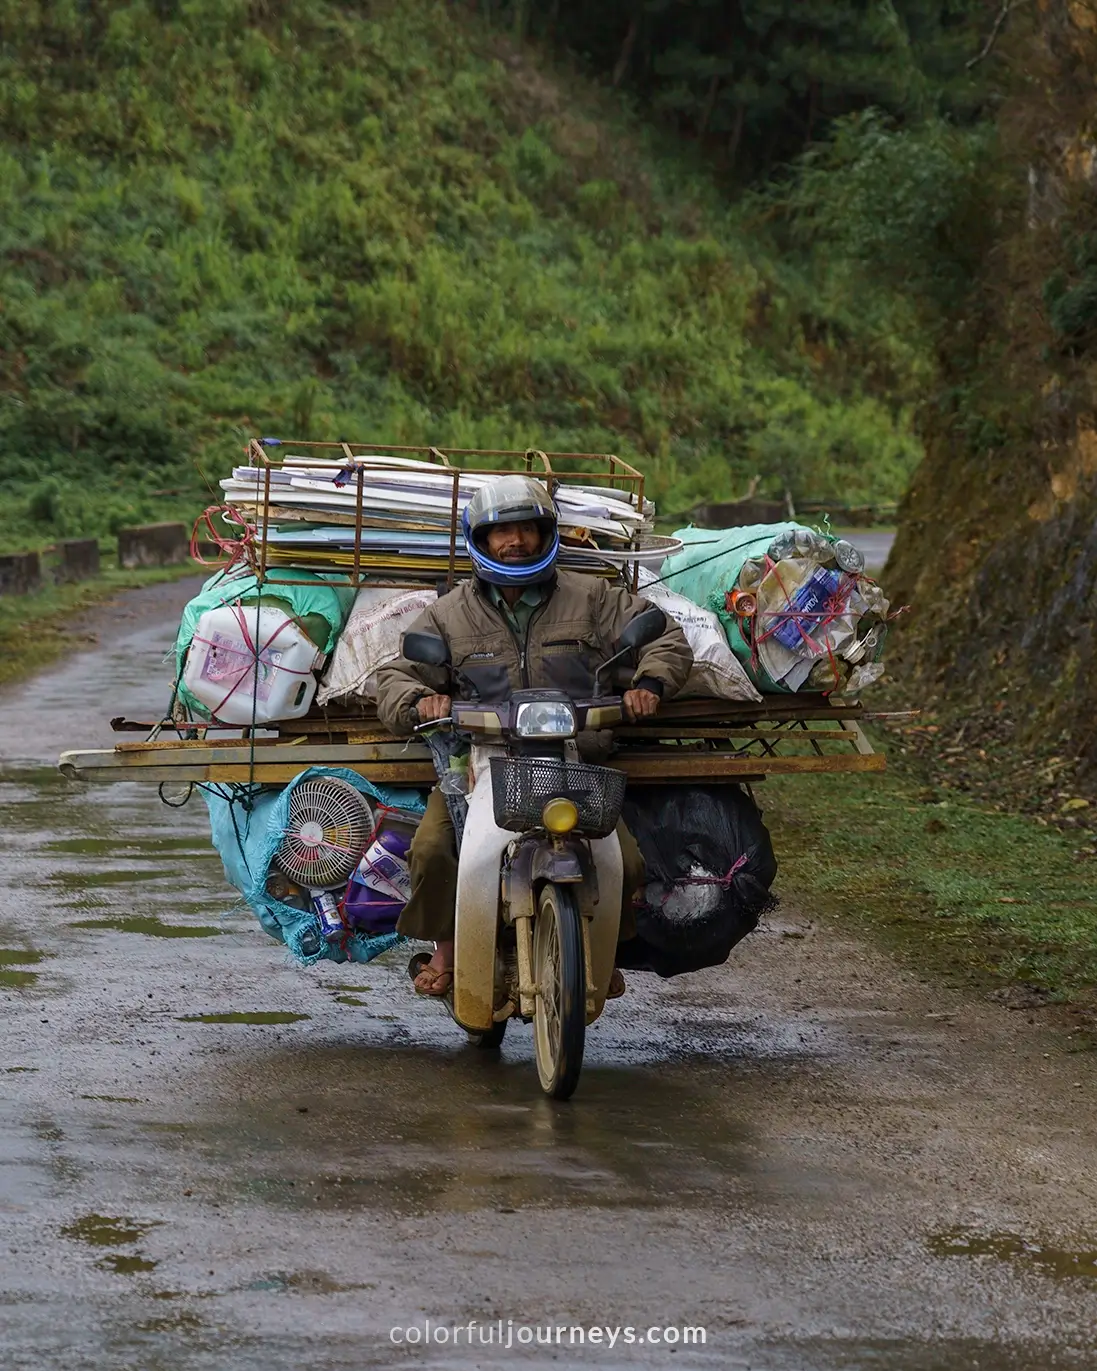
(560, 1016)
(491, 1039)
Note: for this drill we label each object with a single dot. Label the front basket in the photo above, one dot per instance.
(522, 786)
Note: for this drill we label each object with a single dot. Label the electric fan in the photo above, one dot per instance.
(330, 825)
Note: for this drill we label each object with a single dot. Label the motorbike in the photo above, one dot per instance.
(539, 864)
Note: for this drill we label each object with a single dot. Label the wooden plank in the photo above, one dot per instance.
(381, 773)
(704, 768)
(164, 744)
(773, 709)
(838, 732)
(714, 765)
(134, 755)
(861, 742)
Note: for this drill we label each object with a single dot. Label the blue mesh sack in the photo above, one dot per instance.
(247, 825)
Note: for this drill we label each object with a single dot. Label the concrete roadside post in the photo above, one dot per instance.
(20, 573)
(78, 559)
(153, 545)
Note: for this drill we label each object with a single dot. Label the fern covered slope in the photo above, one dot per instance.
(378, 221)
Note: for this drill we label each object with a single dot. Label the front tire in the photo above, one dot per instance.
(560, 1016)
(490, 1040)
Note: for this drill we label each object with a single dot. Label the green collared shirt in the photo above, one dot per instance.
(524, 608)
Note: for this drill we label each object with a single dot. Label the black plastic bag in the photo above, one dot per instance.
(710, 865)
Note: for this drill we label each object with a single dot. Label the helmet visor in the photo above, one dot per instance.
(510, 500)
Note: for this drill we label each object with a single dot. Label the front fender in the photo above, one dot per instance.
(478, 867)
(561, 865)
(597, 875)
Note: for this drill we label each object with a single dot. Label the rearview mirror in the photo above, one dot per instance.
(644, 629)
(426, 648)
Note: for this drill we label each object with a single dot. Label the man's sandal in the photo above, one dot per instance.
(430, 988)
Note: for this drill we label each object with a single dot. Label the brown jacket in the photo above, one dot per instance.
(570, 634)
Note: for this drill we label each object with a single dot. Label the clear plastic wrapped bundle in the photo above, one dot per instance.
(797, 607)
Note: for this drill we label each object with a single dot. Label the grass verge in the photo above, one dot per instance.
(37, 629)
(980, 897)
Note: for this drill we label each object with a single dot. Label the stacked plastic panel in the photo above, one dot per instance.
(312, 513)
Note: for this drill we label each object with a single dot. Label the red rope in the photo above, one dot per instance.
(834, 608)
(723, 881)
(236, 548)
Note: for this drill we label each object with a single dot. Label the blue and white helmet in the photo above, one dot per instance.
(511, 500)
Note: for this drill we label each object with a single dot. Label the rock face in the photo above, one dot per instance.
(997, 544)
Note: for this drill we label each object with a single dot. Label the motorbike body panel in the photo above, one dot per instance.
(605, 921)
(480, 892)
(478, 868)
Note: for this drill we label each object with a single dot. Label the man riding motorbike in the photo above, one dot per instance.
(519, 623)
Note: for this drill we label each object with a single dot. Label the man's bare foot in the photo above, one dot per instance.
(436, 977)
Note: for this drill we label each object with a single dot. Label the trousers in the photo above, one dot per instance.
(430, 913)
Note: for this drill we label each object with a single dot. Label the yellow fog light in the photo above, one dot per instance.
(559, 816)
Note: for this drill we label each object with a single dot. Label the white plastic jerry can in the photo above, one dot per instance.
(250, 663)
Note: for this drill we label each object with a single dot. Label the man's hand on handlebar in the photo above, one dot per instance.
(640, 704)
(432, 707)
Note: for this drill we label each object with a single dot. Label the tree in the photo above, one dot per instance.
(759, 80)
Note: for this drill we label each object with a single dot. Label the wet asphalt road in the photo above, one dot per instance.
(823, 1161)
(876, 547)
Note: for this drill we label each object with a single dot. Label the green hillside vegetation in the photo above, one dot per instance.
(219, 218)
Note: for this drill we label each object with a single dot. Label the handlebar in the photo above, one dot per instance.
(433, 723)
(497, 719)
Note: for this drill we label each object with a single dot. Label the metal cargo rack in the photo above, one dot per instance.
(269, 455)
(690, 742)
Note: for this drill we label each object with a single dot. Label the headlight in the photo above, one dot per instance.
(545, 719)
(560, 815)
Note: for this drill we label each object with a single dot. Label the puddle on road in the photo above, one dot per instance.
(307, 1282)
(100, 1230)
(1014, 1247)
(126, 1264)
(111, 847)
(352, 1000)
(639, 1135)
(182, 1321)
(113, 1099)
(15, 957)
(82, 880)
(16, 980)
(150, 927)
(103, 1230)
(255, 1016)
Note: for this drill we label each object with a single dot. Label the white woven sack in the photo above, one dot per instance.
(716, 670)
(370, 639)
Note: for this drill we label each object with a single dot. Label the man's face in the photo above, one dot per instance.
(513, 542)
